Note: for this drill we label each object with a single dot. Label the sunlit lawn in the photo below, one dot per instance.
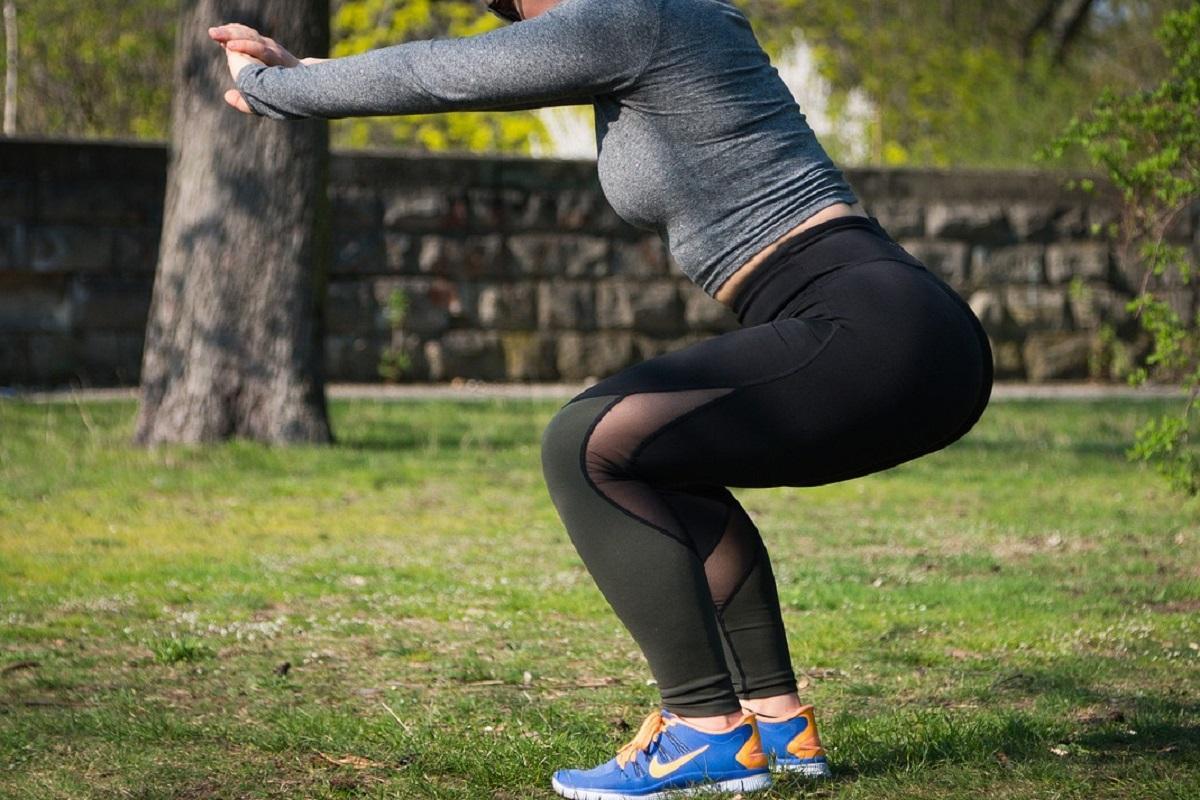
(402, 615)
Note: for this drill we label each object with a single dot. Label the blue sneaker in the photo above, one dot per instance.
(668, 755)
(792, 744)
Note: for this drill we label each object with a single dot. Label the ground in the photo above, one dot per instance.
(402, 615)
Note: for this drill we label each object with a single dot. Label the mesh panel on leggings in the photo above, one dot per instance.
(733, 557)
(708, 519)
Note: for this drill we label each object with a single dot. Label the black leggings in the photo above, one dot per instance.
(852, 358)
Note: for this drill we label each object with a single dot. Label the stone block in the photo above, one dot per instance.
(466, 354)
(1181, 299)
(614, 304)
(16, 199)
(1037, 308)
(1033, 221)
(652, 307)
(566, 305)
(1056, 356)
(423, 208)
(1020, 263)
(1099, 217)
(644, 257)
(1093, 304)
(702, 312)
(352, 358)
(658, 309)
(1008, 363)
(14, 360)
(355, 208)
(34, 304)
(54, 360)
(1086, 260)
(469, 257)
(901, 219)
(1071, 223)
(102, 201)
(433, 303)
(977, 223)
(507, 306)
(353, 310)
(136, 250)
(647, 347)
(584, 209)
(593, 356)
(988, 306)
(530, 356)
(947, 260)
(553, 254)
(14, 252)
(495, 208)
(111, 303)
(359, 251)
(70, 248)
(110, 358)
(400, 252)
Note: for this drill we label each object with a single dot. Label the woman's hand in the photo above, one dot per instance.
(243, 45)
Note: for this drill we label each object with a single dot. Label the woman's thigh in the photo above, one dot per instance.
(877, 365)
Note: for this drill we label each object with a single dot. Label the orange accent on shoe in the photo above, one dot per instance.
(651, 726)
(751, 755)
(807, 743)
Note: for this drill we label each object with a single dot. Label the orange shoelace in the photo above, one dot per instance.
(652, 725)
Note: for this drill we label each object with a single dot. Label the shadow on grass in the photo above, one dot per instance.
(1027, 716)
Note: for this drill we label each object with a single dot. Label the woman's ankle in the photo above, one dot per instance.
(778, 706)
(719, 723)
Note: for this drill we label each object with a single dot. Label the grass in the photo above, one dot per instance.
(402, 615)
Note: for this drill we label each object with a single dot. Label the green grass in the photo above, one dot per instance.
(1014, 616)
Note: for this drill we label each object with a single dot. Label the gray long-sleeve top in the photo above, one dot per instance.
(697, 136)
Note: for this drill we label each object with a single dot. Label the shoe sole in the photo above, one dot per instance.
(752, 784)
(817, 770)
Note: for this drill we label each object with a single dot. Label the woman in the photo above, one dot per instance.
(851, 356)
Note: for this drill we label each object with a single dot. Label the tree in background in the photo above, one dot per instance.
(1148, 144)
(233, 340)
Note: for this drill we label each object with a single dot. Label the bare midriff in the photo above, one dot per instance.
(730, 287)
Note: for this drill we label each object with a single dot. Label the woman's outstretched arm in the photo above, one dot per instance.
(571, 52)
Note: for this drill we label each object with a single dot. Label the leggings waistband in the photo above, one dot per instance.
(801, 259)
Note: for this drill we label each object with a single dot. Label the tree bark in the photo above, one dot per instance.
(233, 343)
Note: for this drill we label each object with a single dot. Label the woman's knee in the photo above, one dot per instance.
(563, 441)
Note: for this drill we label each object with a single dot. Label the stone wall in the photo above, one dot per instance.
(517, 269)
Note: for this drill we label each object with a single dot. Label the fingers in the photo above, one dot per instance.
(251, 48)
(237, 61)
(234, 30)
(234, 98)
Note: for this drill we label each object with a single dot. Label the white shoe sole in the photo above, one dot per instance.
(815, 770)
(736, 785)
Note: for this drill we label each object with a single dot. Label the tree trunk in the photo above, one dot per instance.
(233, 341)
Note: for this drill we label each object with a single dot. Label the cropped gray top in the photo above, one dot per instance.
(697, 136)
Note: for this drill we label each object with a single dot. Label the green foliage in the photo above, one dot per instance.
(362, 25)
(963, 83)
(173, 649)
(394, 362)
(95, 69)
(1148, 144)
